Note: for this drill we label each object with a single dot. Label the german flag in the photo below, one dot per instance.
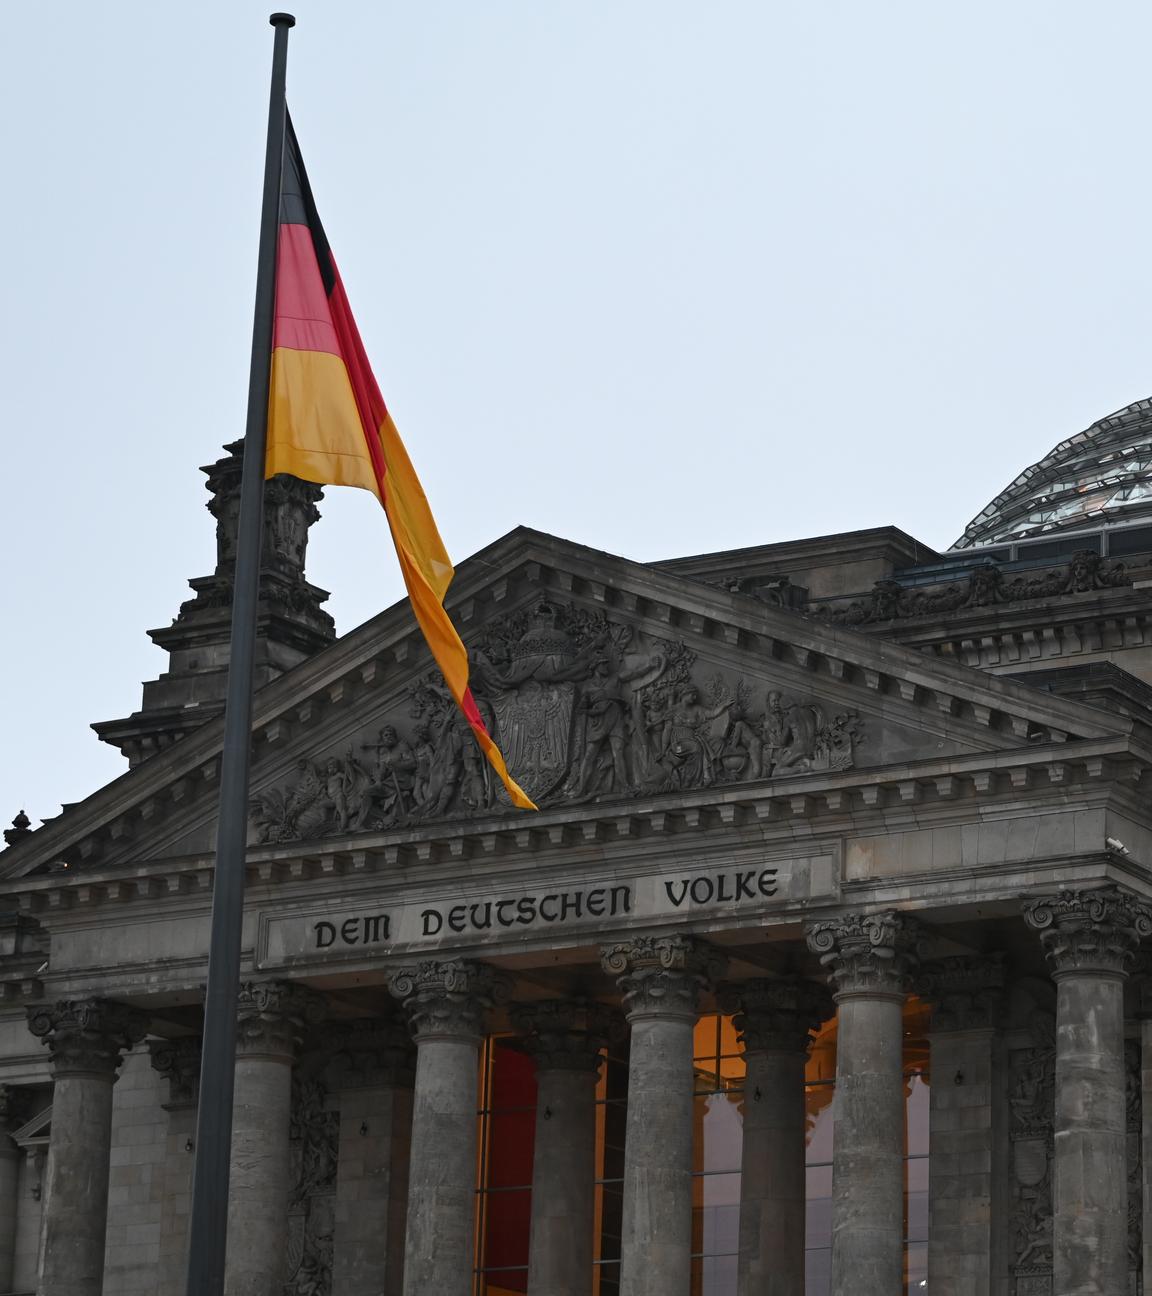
(327, 423)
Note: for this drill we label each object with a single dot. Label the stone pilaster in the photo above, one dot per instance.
(565, 1037)
(660, 979)
(446, 1002)
(87, 1039)
(1090, 939)
(968, 1124)
(372, 1071)
(870, 959)
(272, 1018)
(9, 1177)
(178, 1061)
(775, 1020)
(1144, 1015)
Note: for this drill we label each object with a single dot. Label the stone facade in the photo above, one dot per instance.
(803, 784)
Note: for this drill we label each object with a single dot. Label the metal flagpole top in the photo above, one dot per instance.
(282, 20)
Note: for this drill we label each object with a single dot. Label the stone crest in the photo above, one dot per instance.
(584, 709)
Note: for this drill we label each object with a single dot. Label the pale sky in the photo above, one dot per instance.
(657, 276)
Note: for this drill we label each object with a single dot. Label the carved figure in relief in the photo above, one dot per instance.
(687, 747)
(582, 708)
(743, 749)
(390, 795)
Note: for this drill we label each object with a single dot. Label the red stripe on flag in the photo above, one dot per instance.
(303, 316)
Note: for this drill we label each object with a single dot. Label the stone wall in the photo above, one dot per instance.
(136, 1190)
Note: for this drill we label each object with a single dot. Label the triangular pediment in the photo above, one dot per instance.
(604, 680)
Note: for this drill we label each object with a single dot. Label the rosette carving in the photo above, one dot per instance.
(372, 1053)
(662, 976)
(867, 953)
(566, 1034)
(777, 1015)
(967, 993)
(273, 1017)
(87, 1036)
(448, 998)
(178, 1061)
(1094, 930)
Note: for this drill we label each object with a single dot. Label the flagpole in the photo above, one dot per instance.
(208, 1230)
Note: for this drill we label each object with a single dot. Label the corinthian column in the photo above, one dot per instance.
(446, 1004)
(660, 978)
(178, 1060)
(87, 1038)
(775, 1020)
(565, 1036)
(272, 1017)
(373, 1070)
(1090, 939)
(870, 959)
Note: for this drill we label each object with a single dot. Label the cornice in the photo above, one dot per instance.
(915, 795)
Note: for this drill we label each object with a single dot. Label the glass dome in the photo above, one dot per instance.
(1103, 474)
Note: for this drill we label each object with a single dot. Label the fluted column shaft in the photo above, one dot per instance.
(446, 1004)
(660, 979)
(88, 1039)
(1145, 1016)
(373, 1073)
(870, 959)
(272, 1019)
(565, 1037)
(1090, 939)
(178, 1061)
(775, 1020)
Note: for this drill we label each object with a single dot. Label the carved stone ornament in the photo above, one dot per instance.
(178, 1061)
(314, 1136)
(777, 1015)
(1031, 1106)
(289, 511)
(376, 1052)
(986, 586)
(966, 992)
(566, 1034)
(1095, 930)
(272, 1017)
(87, 1036)
(869, 954)
(662, 976)
(448, 998)
(583, 709)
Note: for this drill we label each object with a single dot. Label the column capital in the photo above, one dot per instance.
(178, 1061)
(874, 955)
(87, 1036)
(1095, 931)
(662, 976)
(448, 998)
(272, 1017)
(966, 991)
(566, 1034)
(777, 1016)
(373, 1053)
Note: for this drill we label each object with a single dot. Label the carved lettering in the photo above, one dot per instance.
(429, 916)
(325, 934)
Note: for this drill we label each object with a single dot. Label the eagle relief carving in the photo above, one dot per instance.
(583, 708)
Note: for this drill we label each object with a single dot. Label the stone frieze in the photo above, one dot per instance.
(584, 709)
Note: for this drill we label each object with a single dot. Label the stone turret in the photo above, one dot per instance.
(292, 624)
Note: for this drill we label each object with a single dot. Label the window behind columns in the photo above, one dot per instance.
(507, 1131)
(821, 1077)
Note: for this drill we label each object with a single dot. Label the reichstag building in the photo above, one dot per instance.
(824, 969)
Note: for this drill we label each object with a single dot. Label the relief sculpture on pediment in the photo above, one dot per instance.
(584, 708)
